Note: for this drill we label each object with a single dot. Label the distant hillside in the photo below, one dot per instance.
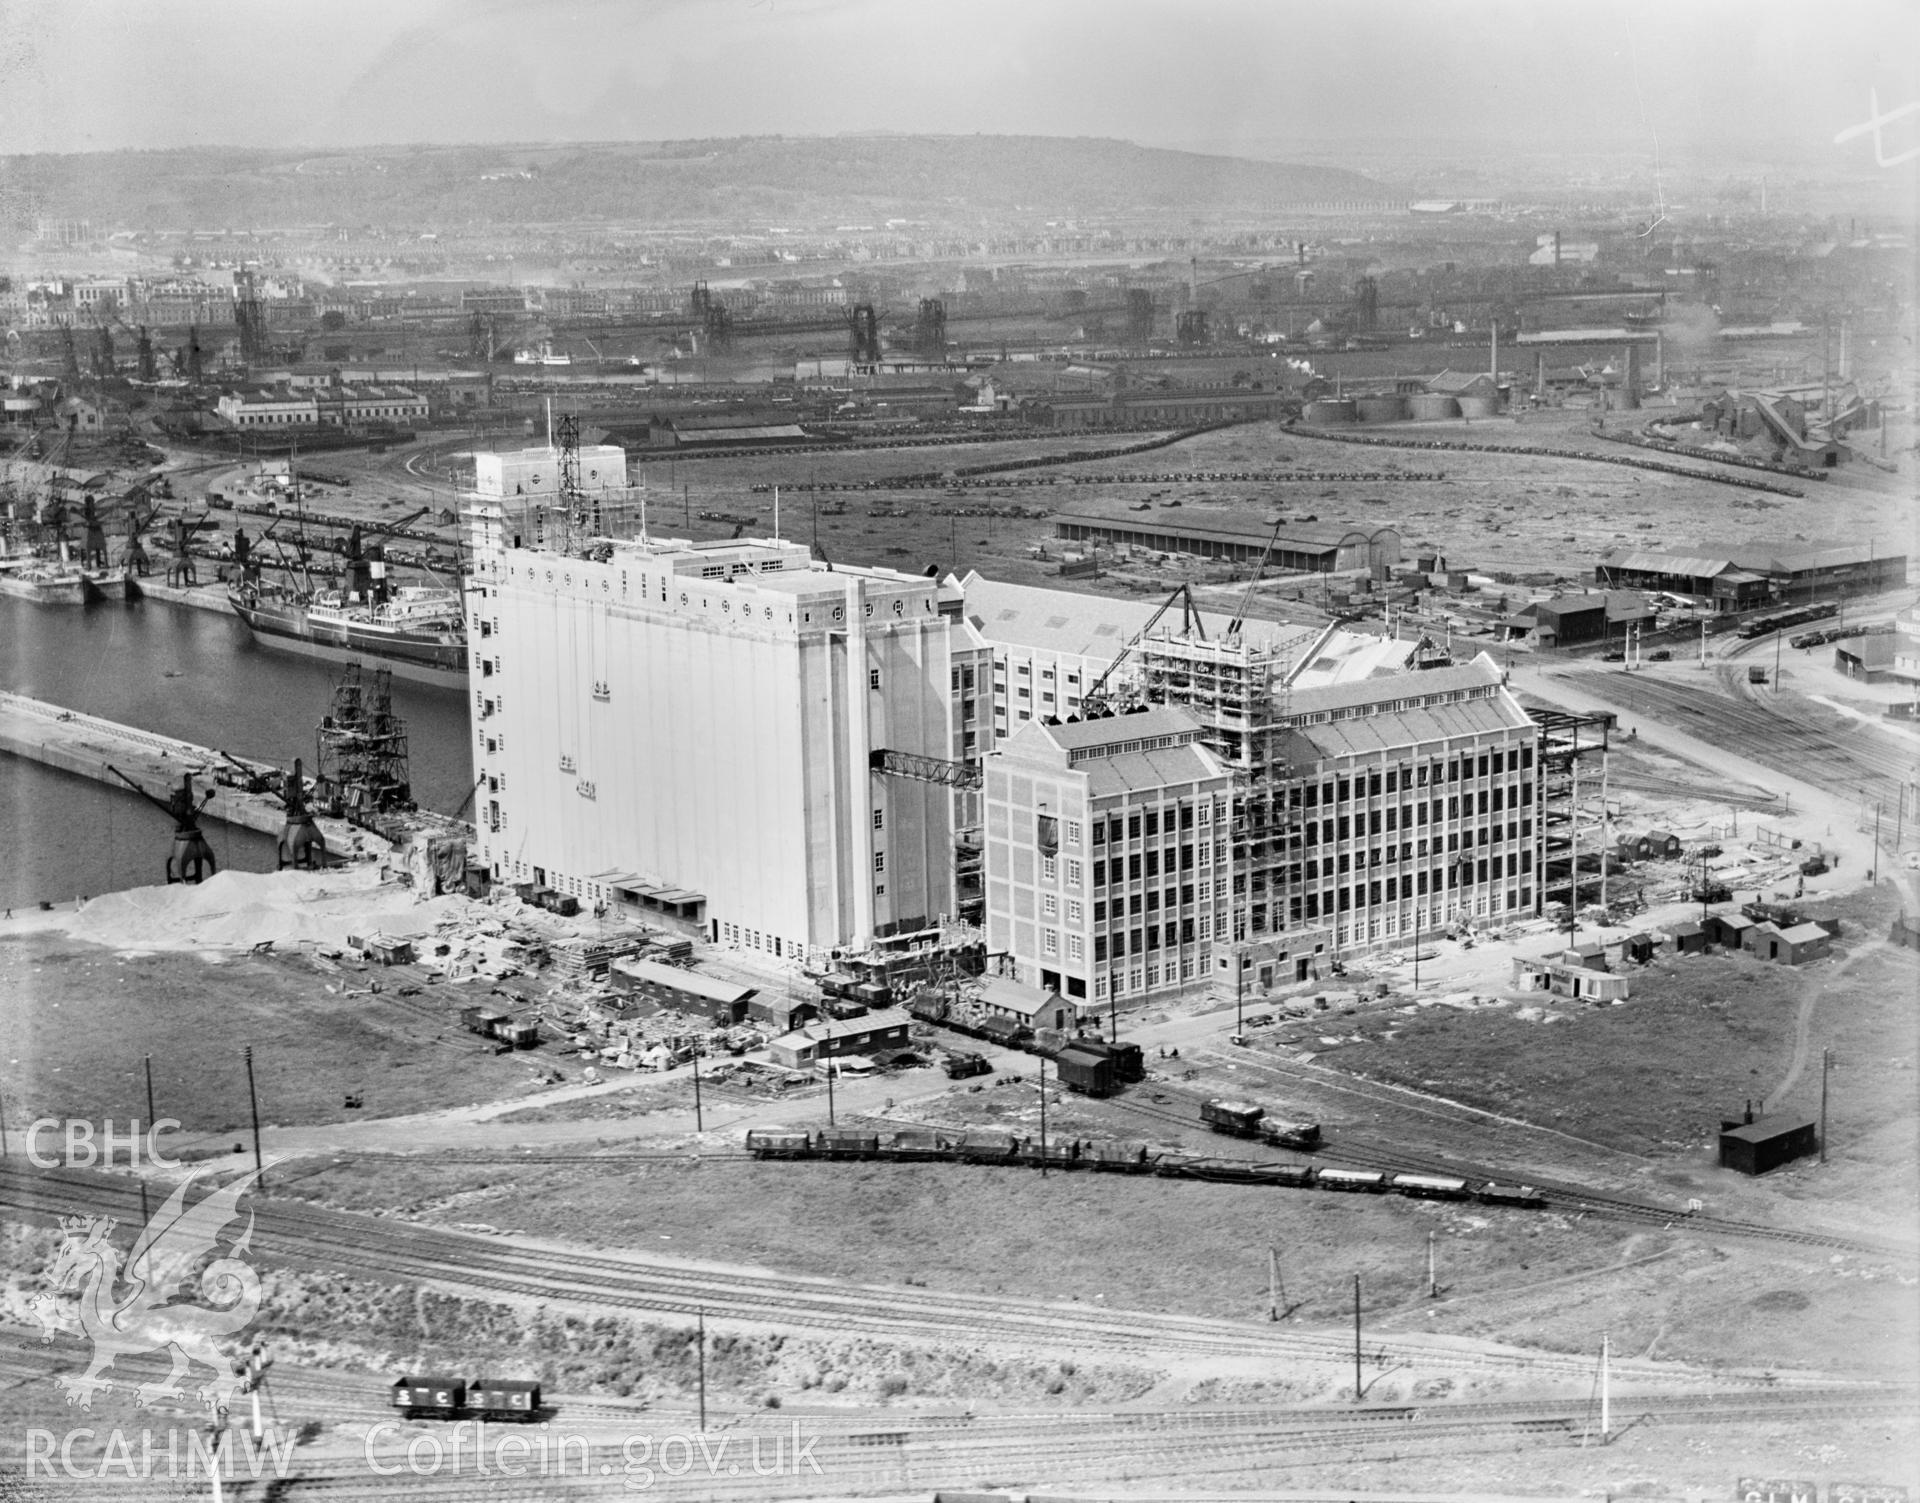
(864, 179)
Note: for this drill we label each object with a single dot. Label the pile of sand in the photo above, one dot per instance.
(237, 909)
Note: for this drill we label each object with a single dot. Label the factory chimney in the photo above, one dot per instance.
(1540, 374)
(1659, 360)
(1629, 380)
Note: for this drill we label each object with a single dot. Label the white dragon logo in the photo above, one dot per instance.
(141, 1317)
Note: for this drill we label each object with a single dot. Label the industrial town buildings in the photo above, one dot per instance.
(805, 758)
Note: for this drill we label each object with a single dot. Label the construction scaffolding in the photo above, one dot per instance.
(1569, 871)
(361, 769)
(1239, 693)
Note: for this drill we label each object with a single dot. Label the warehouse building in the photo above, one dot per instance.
(1298, 548)
(1736, 579)
(701, 719)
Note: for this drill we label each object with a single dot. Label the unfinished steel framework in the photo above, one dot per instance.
(1239, 693)
(362, 764)
(1568, 873)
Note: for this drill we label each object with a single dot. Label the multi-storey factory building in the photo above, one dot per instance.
(1107, 854)
(690, 727)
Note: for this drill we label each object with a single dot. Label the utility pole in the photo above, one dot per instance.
(702, 1342)
(1239, 995)
(1433, 1276)
(1826, 1068)
(829, 1064)
(1043, 1116)
(1875, 876)
(151, 1118)
(1606, 1397)
(1419, 905)
(1777, 636)
(1356, 1338)
(253, 1104)
(699, 1124)
(1273, 1283)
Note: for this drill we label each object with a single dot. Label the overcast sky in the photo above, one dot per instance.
(1697, 76)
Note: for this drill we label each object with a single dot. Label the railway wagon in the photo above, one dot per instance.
(513, 1400)
(1118, 1158)
(844, 1143)
(1430, 1186)
(1291, 1134)
(987, 1148)
(919, 1143)
(1354, 1181)
(430, 1397)
(778, 1143)
(1238, 1119)
(1493, 1194)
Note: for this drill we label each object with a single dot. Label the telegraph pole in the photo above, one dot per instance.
(702, 1341)
(151, 1119)
(1875, 876)
(698, 1123)
(253, 1104)
(1043, 1116)
(1826, 1068)
(829, 1065)
(1433, 1277)
(1273, 1283)
(1356, 1338)
(1776, 660)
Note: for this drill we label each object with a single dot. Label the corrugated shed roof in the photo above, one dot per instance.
(1240, 529)
(1692, 565)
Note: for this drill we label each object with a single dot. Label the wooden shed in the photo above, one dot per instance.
(1757, 1147)
(1688, 938)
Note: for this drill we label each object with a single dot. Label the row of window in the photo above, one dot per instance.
(754, 939)
(1147, 823)
(1150, 937)
(1408, 816)
(1409, 776)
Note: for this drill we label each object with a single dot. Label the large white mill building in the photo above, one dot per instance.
(691, 725)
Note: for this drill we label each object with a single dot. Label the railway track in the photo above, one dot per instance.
(905, 1454)
(1789, 739)
(389, 1251)
(1346, 1148)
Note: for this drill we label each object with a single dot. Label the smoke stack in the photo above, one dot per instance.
(1629, 380)
(1540, 374)
(1659, 360)
(1193, 279)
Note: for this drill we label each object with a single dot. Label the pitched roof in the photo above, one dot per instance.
(1091, 626)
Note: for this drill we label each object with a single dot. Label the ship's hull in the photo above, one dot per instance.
(436, 658)
(67, 591)
(106, 586)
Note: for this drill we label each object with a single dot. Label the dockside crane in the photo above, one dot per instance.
(190, 858)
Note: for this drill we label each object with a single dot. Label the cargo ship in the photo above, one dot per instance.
(43, 581)
(417, 631)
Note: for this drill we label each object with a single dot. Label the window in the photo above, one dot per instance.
(873, 678)
(1073, 872)
(1076, 947)
(879, 819)
(1073, 831)
(879, 861)
(1049, 906)
(1076, 911)
(1048, 868)
(1050, 942)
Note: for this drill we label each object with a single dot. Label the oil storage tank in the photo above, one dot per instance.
(1479, 406)
(1330, 410)
(1388, 407)
(1427, 406)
